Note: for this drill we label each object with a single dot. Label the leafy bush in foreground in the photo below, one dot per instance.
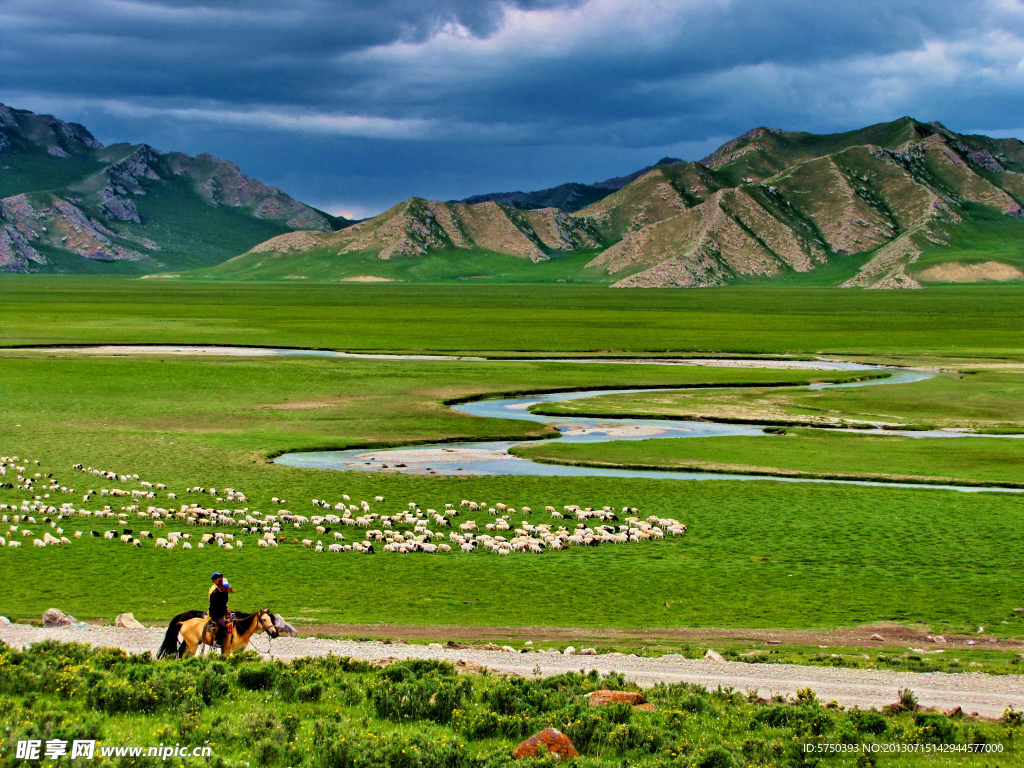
(331, 712)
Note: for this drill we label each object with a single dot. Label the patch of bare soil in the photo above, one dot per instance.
(308, 405)
(958, 272)
(368, 279)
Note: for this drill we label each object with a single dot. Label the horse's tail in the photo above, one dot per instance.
(169, 647)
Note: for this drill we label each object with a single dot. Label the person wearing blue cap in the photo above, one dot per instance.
(219, 593)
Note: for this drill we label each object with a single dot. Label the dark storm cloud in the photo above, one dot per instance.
(363, 102)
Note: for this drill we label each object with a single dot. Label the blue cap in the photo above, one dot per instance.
(215, 576)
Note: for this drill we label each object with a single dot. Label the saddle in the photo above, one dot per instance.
(211, 628)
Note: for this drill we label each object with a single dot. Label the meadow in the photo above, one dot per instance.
(333, 712)
(940, 323)
(810, 453)
(975, 398)
(757, 554)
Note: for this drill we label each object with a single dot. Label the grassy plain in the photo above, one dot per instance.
(757, 554)
(333, 712)
(980, 399)
(946, 322)
(811, 453)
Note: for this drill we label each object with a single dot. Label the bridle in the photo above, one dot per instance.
(270, 637)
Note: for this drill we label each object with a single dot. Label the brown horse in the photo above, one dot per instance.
(201, 632)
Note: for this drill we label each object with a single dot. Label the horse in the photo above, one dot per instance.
(170, 646)
(195, 630)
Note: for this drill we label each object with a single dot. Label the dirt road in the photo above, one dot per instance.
(988, 695)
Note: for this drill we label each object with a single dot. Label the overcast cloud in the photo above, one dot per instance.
(354, 105)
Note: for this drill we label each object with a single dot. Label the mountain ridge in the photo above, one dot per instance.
(69, 203)
(864, 207)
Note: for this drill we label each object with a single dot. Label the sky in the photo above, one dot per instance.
(355, 105)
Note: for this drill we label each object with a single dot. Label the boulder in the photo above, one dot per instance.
(603, 698)
(128, 621)
(284, 629)
(508, 649)
(569, 650)
(877, 638)
(56, 618)
(588, 652)
(4, 621)
(555, 742)
(713, 656)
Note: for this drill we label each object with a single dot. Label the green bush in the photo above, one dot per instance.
(417, 691)
(715, 757)
(934, 728)
(257, 677)
(868, 721)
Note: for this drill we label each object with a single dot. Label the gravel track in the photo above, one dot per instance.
(987, 695)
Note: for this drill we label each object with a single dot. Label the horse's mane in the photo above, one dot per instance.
(244, 620)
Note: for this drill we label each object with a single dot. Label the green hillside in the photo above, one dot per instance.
(69, 204)
(896, 205)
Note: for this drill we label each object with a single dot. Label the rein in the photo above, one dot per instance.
(270, 641)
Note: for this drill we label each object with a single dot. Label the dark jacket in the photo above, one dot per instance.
(218, 602)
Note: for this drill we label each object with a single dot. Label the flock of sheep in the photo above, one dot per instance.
(579, 526)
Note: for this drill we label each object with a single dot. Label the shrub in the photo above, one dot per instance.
(933, 728)
(257, 677)
(868, 721)
(485, 724)
(417, 691)
(633, 736)
(715, 757)
(335, 747)
(518, 696)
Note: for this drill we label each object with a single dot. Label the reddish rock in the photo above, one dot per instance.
(556, 743)
(601, 698)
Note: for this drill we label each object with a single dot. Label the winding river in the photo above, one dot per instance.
(493, 457)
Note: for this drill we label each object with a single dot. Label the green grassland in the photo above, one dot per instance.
(438, 266)
(985, 235)
(981, 399)
(332, 712)
(947, 322)
(811, 453)
(757, 554)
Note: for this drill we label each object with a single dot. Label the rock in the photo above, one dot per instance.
(529, 642)
(713, 656)
(284, 629)
(128, 621)
(588, 652)
(981, 630)
(4, 621)
(938, 639)
(648, 707)
(508, 649)
(433, 645)
(774, 642)
(56, 618)
(602, 698)
(877, 638)
(1018, 610)
(556, 742)
(469, 667)
(569, 650)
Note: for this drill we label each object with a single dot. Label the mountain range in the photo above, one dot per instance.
(894, 205)
(70, 204)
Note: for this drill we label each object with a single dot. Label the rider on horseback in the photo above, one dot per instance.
(219, 594)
